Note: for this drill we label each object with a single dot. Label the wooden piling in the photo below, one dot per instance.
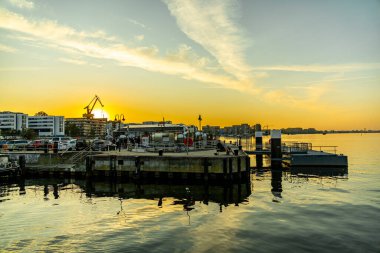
(259, 147)
(276, 152)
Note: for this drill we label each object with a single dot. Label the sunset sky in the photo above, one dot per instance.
(278, 63)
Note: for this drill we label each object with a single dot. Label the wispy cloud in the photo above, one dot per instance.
(306, 97)
(7, 49)
(135, 22)
(23, 4)
(101, 46)
(211, 24)
(321, 68)
(332, 80)
(139, 37)
(72, 61)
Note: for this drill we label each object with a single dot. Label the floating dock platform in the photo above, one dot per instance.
(318, 158)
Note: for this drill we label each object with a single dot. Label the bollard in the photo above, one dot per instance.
(276, 152)
(46, 148)
(160, 152)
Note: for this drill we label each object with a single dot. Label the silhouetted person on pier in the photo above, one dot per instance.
(220, 147)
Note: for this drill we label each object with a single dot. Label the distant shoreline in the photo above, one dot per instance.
(322, 133)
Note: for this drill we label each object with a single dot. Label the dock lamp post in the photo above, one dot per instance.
(119, 118)
(200, 122)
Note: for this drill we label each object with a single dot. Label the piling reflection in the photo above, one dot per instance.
(276, 183)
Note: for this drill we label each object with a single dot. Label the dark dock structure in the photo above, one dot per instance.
(233, 164)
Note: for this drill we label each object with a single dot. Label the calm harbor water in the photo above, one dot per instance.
(276, 212)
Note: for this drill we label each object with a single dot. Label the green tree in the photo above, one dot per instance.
(72, 130)
(28, 134)
(41, 113)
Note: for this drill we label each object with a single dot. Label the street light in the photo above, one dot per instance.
(119, 118)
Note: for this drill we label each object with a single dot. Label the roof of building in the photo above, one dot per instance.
(153, 127)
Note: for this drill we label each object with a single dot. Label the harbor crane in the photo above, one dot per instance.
(90, 107)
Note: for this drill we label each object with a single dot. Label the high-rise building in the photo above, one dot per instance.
(47, 125)
(89, 127)
(13, 121)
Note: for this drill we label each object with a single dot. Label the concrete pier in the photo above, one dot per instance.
(206, 165)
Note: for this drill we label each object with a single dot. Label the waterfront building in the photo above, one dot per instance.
(244, 129)
(13, 120)
(47, 125)
(148, 129)
(89, 127)
(211, 130)
(157, 122)
(256, 127)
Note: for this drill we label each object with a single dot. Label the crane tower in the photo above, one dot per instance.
(90, 107)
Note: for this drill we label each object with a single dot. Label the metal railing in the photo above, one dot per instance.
(296, 147)
(81, 155)
(326, 148)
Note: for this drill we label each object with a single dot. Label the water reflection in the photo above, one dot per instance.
(185, 194)
(276, 183)
(320, 171)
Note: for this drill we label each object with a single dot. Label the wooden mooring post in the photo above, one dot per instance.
(259, 147)
(276, 152)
